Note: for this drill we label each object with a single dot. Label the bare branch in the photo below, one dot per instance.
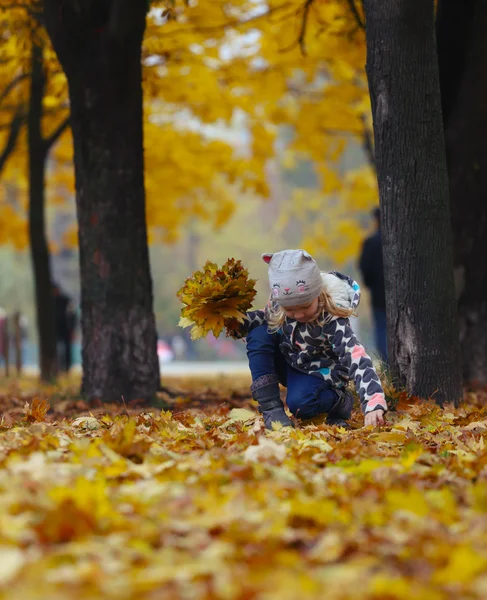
(304, 25)
(356, 14)
(48, 112)
(56, 134)
(15, 127)
(12, 85)
(301, 39)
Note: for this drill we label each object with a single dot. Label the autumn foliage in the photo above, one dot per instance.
(201, 503)
(215, 297)
(222, 81)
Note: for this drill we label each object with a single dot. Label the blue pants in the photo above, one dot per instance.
(380, 324)
(307, 395)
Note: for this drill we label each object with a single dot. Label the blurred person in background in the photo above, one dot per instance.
(72, 319)
(179, 347)
(371, 266)
(65, 323)
(164, 352)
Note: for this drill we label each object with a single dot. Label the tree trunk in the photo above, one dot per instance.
(462, 54)
(37, 226)
(402, 71)
(99, 47)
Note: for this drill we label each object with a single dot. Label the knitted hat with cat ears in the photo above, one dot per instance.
(294, 277)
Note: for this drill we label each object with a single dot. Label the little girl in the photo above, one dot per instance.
(303, 340)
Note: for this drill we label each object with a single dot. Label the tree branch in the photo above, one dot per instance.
(15, 127)
(48, 112)
(356, 14)
(301, 39)
(304, 26)
(56, 134)
(12, 85)
(229, 24)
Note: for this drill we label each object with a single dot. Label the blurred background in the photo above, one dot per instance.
(257, 138)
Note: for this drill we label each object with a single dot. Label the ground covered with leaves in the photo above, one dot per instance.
(196, 501)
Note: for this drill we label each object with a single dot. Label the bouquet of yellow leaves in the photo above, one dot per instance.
(216, 298)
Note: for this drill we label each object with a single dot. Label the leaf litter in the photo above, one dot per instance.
(198, 502)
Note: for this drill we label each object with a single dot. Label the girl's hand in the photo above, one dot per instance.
(376, 417)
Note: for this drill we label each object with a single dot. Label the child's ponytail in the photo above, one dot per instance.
(327, 305)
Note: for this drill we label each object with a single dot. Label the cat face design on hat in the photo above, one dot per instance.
(300, 288)
(294, 277)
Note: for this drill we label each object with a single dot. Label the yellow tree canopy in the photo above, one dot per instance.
(228, 86)
(292, 67)
(20, 32)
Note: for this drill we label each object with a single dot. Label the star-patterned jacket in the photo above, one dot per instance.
(328, 348)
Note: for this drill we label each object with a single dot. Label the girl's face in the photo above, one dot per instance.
(303, 313)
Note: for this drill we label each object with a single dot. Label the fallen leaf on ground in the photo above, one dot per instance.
(198, 501)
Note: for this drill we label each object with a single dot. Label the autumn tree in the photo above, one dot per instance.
(403, 77)
(99, 48)
(207, 84)
(26, 74)
(39, 146)
(278, 80)
(290, 68)
(10, 127)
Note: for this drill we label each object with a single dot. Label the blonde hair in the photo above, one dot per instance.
(326, 308)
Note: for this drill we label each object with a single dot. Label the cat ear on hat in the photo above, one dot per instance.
(306, 255)
(267, 258)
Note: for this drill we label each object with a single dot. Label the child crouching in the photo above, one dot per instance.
(303, 339)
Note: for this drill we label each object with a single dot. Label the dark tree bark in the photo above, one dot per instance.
(462, 54)
(402, 70)
(99, 46)
(14, 130)
(37, 227)
(38, 150)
